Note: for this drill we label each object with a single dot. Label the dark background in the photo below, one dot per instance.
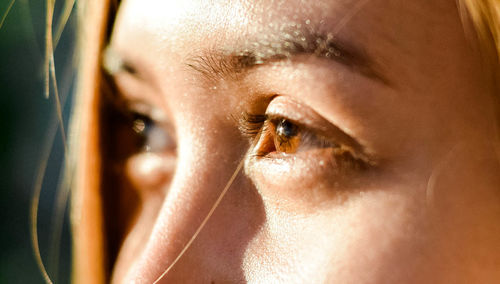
(27, 120)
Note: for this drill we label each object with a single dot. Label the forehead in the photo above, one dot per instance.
(403, 36)
(175, 23)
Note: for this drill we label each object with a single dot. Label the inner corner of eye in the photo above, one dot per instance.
(265, 144)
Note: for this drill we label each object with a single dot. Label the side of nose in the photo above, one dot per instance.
(203, 172)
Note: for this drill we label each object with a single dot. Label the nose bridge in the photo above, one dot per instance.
(201, 176)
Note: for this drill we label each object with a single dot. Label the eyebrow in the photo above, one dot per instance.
(217, 64)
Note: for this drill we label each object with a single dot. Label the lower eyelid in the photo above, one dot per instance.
(314, 177)
(338, 159)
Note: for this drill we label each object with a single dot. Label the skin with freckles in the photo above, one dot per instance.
(367, 131)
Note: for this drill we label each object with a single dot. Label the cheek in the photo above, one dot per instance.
(360, 241)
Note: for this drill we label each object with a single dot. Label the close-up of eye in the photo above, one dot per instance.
(137, 126)
(274, 136)
(278, 135)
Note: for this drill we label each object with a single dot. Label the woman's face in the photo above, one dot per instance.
(366, 132)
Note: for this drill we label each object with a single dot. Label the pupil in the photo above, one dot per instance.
(286, 128)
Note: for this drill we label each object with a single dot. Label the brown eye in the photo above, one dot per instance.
(275, 136)
(153, 138)
(286, 136)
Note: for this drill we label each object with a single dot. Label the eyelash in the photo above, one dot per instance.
(250, 124)
(255, 126)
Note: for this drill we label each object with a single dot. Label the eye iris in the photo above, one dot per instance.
(286, 129)
(152, 137)
(287, 137)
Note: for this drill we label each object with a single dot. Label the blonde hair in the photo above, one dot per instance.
(87, 209)
(485, 16)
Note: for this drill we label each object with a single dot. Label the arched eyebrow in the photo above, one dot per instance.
(216, 64)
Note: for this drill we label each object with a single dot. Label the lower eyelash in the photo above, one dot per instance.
(347, 160)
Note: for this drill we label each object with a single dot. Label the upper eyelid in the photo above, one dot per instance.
(146, 109)
(138, 106)
(131, 90)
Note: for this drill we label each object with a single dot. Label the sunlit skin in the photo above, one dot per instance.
(405, 95)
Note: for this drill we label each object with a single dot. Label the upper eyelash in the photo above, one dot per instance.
(251, 124)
